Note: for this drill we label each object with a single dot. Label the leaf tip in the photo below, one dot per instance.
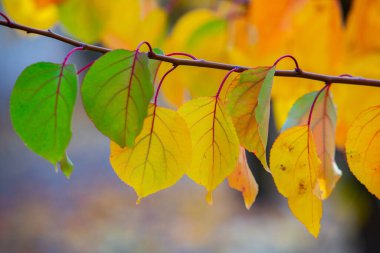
(209, 198)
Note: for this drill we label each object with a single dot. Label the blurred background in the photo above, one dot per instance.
(42, 211)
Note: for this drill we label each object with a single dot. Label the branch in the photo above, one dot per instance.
(198, 63)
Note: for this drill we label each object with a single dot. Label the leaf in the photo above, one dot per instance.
(242, 180)
(131, 21)
(323, 126)
(116, 92)
(40, 14)
(363, 149)
(249, 106)
(83, 18)
(295, 167)
(214, 141)
(41, 107)
(66, 166)
(160, 156)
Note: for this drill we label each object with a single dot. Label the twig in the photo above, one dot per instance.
(198, 63)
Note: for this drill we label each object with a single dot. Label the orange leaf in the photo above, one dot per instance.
(242, 180)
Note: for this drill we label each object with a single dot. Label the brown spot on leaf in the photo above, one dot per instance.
(301, 187)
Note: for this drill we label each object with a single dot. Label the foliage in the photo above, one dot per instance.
(152, 147)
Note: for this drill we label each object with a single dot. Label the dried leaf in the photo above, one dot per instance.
(242, 180)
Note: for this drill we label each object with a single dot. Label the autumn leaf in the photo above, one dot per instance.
(323, 126)
(116, 93)
(214, 141)
(295, 168)
(41, 14)
(241, 179)
(160, 156)
(249, 106)
(41, 107)
(363, 149)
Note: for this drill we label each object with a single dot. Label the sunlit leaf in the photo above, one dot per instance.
(116, 93)
(66, 166)
(295, 168)
(214, 141)
(363, 149)
(249, 106)
(242, 180)
(323, 126)
(35, 13)
(41, 107)
(160, 156)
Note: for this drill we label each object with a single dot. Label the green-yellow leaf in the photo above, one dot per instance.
(41, 107)
(249, 106)
(295, 167)
(160, 156)
(116, 93)
(214, 141)
(323, 126)
(363, 149)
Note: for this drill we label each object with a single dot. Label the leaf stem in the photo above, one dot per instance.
(70, 53)
(161, 81)
(297, 69)
(146, 43)
(182, 54)
(5, 17)
(224, 81)
(85, 67)
(327, 86)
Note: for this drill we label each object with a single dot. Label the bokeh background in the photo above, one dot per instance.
(42, 211)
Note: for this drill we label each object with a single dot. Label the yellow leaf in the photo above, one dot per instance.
(323, 126)
(242, 180)
(363, 149)
(133, 21)
(35, 13)
(203, 34)
(160, 156)
(295, 167)
(214, 141)
(249, 106)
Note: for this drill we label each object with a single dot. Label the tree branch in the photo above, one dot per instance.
(197, 63)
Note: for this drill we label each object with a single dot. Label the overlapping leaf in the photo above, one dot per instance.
(160, 156)
(249, 106)
(363, 149)
(242, 180)
(323, 126)
(295, 168)
(116, 93)
(214, 141)
(41, 106)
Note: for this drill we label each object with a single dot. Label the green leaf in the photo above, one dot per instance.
(249, 106)
(41, 107)
(66, 166)
(116, 93)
